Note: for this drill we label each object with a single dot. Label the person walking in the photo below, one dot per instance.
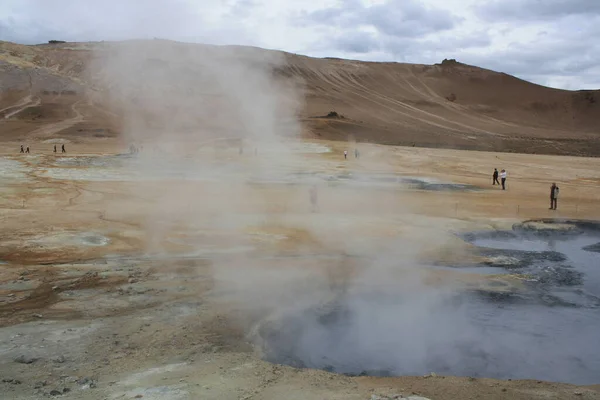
(553, 196)
(503, 179)
(495, 177)
(22, 150)
(63, 149)
(55, 148)
(27, 150)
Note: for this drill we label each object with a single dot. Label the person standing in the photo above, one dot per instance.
(55, 148)
(345, 154)
(553, 196)
(495, 177)
(503, 179)
(313, 199)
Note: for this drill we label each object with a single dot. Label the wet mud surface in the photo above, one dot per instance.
(127, 167)
(545, 330)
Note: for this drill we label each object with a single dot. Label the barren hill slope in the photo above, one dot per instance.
(68, 90)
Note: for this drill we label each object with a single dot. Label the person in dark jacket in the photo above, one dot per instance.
(553, 196)
(495, 177)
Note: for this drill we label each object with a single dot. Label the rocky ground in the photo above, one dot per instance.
(124, 279)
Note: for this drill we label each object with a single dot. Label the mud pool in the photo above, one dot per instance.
(125, 167)
(546, 330)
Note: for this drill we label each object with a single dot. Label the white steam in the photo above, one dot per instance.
(339, 285)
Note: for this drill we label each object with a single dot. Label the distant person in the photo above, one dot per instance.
(503, 179)
(27, 151)
(63, 149)
(55, 148)
(356, 154)
(345, 154)
(553, 196)
(313, 199)
(495, 177)
(22, 149)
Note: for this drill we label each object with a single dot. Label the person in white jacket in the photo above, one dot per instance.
(503, 179)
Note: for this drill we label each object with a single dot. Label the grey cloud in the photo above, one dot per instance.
(39, 21)
(452, 42)
(568, 58)
(407, 19)
(242, 9)
(402, 18)
(536, 9)
(358, 42)
(561, 55)
(405, 49)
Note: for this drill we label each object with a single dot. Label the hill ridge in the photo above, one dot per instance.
(448, 104)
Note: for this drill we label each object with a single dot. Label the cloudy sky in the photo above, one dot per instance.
(550, 42)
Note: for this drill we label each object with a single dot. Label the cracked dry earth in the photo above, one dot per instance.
(104, 295)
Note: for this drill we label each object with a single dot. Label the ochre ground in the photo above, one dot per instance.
(157, 320)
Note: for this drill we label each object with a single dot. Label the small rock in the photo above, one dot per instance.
(132, 280)
(55, 288)
(13, 381)
(23, 359)
(55, 393)
(40, 384)
(139, 396)
(11, 295)
(66, 390)
(60, 359)
(578, 393)
(85, 381)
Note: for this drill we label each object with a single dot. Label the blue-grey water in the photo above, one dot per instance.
(548, 331)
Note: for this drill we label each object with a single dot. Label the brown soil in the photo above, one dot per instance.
(447, 105)
(155, 305)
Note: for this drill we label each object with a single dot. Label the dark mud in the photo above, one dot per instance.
(548, 330)
(403, 182)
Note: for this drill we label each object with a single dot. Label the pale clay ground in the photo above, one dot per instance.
(118, 281)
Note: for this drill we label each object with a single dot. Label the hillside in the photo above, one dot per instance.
(80, 91)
